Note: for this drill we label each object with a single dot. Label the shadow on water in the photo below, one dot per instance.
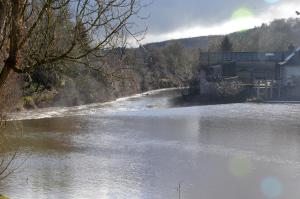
(43, 135)
(197, 100)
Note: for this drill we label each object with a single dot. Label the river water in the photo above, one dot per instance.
(144, 146)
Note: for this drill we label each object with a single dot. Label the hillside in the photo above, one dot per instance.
(276, 36)
(193, 43)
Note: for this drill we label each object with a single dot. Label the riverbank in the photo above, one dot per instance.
(138, 70)
(75, 92)
(198, 99)
(178, 99)
(119, 104)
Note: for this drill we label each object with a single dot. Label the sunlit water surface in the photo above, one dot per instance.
(144, 147)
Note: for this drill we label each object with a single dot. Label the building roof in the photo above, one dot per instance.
(289, 57)
(213, 58)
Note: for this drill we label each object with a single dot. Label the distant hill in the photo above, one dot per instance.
(276, 36)
(201, 42)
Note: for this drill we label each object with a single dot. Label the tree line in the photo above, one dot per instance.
(52, 33)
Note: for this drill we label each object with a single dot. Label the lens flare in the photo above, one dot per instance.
(271, 1)
(271, 187)
(242, 13)
(240, 166)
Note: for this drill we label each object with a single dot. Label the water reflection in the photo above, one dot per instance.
(223, 151)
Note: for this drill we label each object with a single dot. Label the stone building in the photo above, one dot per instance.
(275, 74)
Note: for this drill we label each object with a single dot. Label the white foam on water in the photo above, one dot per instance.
(117, 105)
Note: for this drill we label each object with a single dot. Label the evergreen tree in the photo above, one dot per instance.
(226, 45)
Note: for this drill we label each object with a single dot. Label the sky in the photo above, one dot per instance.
(173, 19)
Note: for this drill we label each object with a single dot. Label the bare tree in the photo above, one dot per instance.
(41, 32)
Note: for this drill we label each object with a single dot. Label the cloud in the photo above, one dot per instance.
(170, 19)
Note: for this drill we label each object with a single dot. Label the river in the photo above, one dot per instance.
(143, 147)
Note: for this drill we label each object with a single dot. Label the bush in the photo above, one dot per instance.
(28, 102)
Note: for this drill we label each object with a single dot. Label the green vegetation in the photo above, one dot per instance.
(48, 42)
(127, 71)
(276, 36)
(136, 70)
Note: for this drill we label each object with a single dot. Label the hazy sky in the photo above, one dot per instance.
(171, 19)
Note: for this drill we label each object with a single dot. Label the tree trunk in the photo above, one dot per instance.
(12, 59)
(2, 16)
(4, 75)
(5, 70)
